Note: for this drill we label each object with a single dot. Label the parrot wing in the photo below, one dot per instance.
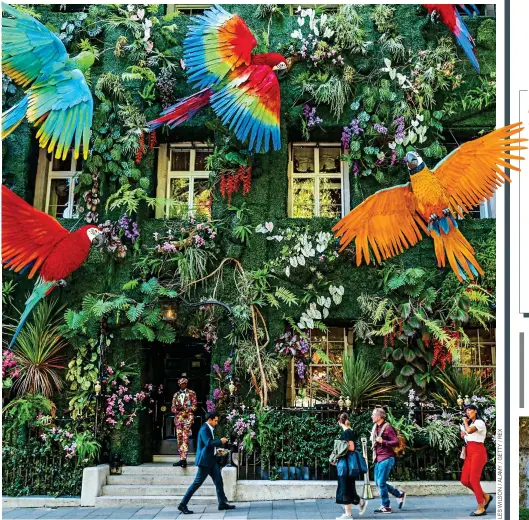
(387, 221)
(29, 49)
(217, 43)
(62, 105)
(472, 172)
(28, 235)
(250, 103)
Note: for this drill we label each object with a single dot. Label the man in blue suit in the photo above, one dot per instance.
(207, 464)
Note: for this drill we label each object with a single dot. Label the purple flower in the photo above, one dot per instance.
(380, 129)
(210, 405)
(216, 394)
(300, 368)
(216, 368)
(227, 366)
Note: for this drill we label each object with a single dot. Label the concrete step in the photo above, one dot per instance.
(153, 480)
(147, 501)
(159, 468)
(134, 490)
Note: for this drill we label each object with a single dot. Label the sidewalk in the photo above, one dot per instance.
(417, 508)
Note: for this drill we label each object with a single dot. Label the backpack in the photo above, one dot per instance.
(399, 450)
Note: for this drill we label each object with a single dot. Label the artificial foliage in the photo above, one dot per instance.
(398, 82)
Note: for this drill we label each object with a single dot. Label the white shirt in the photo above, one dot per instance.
(480, 434)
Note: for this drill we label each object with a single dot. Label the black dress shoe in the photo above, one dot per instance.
(181, 464)
(183, 509)
(224, 507)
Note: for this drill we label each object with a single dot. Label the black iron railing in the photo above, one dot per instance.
(419, 462)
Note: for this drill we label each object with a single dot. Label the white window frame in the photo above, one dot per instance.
(478, 343)
(310, 399)
(316, 175)
(190, 174)
(70, 174)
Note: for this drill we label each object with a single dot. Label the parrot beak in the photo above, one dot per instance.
(280, 69)
(99, 240)
(411, 160)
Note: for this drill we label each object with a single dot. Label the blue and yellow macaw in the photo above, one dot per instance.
(58, 100)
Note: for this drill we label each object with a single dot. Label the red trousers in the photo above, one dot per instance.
(476, 458)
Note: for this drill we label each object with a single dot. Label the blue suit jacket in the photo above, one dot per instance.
(206, 445)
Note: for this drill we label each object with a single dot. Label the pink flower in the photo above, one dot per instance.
(43, 437)
(110, 371)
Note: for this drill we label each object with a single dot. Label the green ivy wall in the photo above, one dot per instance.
(268, 197)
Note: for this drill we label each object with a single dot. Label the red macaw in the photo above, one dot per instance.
(242, 88)
(34, 239)
(391, 220)
(449, 15)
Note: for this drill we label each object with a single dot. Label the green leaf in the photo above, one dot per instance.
(407, 370)
(409, 355)
(145, 331)
(387, 368)
(134, 312)
(131, 284)
(397, 354)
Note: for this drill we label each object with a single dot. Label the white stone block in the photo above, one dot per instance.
(94, 478)
(229, 477)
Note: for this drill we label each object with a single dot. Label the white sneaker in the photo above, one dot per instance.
(362, 507)
(344, 517)
(402, 500)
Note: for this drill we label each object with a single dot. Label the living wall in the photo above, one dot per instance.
(381, 80)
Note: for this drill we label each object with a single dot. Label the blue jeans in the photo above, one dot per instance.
(202, 474)
(382, 471)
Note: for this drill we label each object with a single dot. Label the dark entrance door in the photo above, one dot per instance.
(169, 363)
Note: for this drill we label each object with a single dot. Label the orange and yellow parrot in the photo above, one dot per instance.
(391, 220)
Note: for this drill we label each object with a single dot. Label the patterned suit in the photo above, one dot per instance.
(183, 406)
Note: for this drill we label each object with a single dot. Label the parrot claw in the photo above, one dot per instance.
(446, 212)
(433, 217)
(62, 283)
(434, 16)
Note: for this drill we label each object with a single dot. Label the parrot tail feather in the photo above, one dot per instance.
(454, 246)
(185, 109)
(464, 38)
(40, 290)
(14, 116)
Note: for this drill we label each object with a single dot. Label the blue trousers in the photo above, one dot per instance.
(202, 475)
(382, 471)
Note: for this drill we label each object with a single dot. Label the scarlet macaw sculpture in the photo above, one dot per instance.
(391, 220)
(449, 15)
(33, 239)
(58, 100)
(241, 87)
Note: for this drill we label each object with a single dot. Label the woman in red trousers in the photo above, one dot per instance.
(474, 432)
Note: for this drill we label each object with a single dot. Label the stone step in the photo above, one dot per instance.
(147, 501)
(159, 468)
(134, 490)
(173, 458)
(153, 480)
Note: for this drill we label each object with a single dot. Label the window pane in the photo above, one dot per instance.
(303, 198)
(330, 160)
(303, 160)
(180, 160)
(201, 197)
(59, 205)
(330, 197)
(58, 165)
(180, 192)
(200, 161)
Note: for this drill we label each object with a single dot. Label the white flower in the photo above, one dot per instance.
(328, 32)
(131, 8)
(323, 19)
(287, 271)
(301, 22)
(293, 261)
(269, 226)
(140, 13)
(301, 260)
(297, 34)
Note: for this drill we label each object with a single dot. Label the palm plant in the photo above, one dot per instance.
(38, 351)
(453, 383)
(359, 381)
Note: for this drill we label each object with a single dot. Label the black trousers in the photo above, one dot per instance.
(202, 475)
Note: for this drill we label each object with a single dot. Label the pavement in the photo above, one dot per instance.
(416, 508)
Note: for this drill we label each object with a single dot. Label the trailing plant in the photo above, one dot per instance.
(22, 412)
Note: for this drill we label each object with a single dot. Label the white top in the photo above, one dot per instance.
(213, 435)
(480, 434)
